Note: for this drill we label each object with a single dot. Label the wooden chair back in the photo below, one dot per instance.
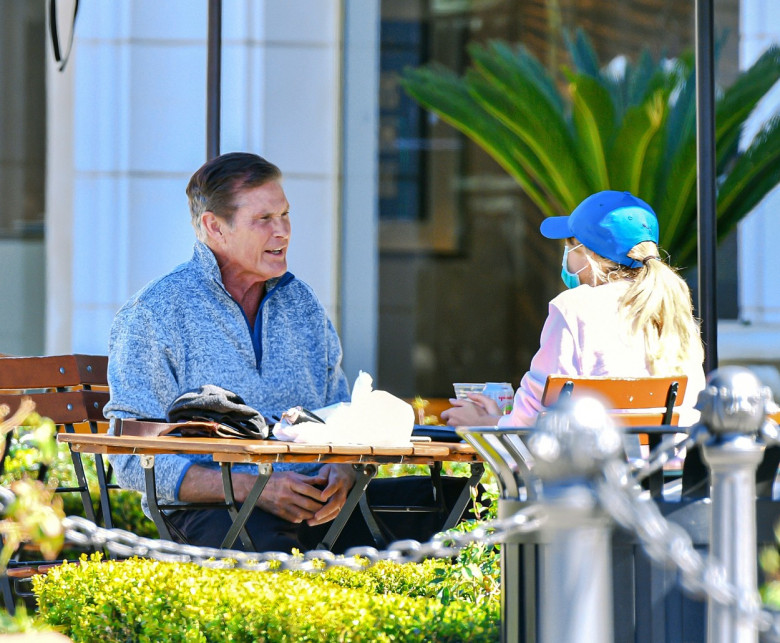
(71, 390)
(636, 401)
(633, 401)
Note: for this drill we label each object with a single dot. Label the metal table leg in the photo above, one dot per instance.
(147, 462)
(365, 472)
(372, 524)
(227, 485)
(83, 486)
(103, 482)
(263, 474)
(8, 595)
(477, 469)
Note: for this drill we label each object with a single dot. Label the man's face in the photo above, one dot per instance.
(255, 245)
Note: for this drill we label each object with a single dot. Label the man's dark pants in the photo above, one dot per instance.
(207, 528)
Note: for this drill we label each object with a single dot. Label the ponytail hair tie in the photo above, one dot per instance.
(646, 259)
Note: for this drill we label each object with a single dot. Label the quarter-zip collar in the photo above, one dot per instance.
(271, 286)
(207, 262)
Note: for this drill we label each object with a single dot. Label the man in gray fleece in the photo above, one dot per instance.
(232, 316)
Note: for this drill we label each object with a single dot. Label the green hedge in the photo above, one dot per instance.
(143, 600)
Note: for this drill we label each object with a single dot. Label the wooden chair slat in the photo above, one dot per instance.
(631, 401)
(21, 572)
(63, 407)
(618, 392)
(53, 371)
(644, 419)
(70, 390)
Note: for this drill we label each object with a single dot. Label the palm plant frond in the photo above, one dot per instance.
(593, 114)
(754, 174)
(682, 114)
(633, 129)
(582, 53)
(525, 111)
(739, 101)
(435, 86)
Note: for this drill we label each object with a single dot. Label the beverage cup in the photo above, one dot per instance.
(463, 388)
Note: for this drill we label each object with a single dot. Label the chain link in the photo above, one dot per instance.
(666, 450)
(6, 500)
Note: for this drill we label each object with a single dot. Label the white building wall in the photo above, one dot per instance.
(127, 129)
(756, 338)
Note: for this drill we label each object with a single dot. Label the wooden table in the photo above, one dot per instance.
(264, 453)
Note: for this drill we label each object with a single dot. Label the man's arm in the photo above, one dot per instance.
(142, 383)
(337, 387)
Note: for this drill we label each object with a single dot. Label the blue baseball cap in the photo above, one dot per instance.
(609, 223)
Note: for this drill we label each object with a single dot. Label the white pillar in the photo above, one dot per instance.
(759, 298)
(127, 130)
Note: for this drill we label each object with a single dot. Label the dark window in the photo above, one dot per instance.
(22, 118)
(464, 275)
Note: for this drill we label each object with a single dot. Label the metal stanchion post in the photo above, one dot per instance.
(733, 408)
(566, 451)
(570, 446)
(576, 569)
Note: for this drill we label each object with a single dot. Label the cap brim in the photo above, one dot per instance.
(556, 228)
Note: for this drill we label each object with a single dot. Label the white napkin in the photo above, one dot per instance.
(373, 417)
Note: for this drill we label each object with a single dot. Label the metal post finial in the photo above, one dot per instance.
(734, 401)
(574, 439)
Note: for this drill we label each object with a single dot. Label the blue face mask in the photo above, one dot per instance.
(571, 279)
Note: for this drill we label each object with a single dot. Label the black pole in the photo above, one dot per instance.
(705, 157)
(213, 78)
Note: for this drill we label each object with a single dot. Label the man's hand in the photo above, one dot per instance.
(292, 496)
(477, 410)
(338, 480)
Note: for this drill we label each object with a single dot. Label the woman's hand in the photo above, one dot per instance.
(477, 410)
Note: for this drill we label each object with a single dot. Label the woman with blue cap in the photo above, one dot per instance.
(626, 313)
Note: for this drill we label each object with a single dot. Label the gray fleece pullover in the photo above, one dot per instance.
(184, 330)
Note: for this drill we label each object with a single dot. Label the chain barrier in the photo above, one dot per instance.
(83, 532)
(669, 545)
(666, 543)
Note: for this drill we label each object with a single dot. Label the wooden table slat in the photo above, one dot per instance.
(224, 449)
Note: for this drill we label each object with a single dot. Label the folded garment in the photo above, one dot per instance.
(217, 404)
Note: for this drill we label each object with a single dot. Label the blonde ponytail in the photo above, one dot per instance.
(658, 304)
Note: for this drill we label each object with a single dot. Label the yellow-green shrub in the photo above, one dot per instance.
(143, 600)
(26, 453)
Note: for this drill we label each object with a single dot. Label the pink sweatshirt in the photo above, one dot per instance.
(585, 335)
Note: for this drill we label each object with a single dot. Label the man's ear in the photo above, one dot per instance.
(212, 226)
